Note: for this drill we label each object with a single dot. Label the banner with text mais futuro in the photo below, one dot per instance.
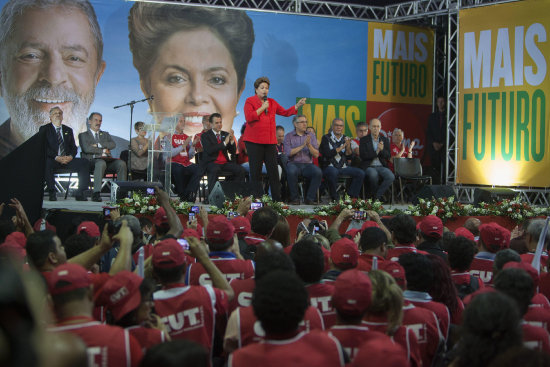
(503, 83)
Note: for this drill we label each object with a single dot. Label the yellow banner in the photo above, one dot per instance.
(400, 64)
(503, 121)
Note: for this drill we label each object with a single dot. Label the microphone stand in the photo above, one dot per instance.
(131, 104)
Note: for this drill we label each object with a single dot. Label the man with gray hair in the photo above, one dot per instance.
(301, 147)
(335, 153)
(50, 55)
(534, 231)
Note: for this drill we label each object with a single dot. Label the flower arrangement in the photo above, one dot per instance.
(444, 208)
(336, 207)
(148, 205)
(512, 208)
(281, 208)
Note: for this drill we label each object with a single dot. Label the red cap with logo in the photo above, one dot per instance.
(68, 277)
(168, 254)
(121, 294)
(160, 217)
(190, 232)
(219, 230)
(18, 238)
(242, 225)
(493, 237)
(344, 253)
(90, 228)
(352, 292)
(395, 270)
(43, 224)
(431, 226)
(353, 232)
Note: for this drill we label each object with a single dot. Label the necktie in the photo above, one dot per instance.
(96, 137)
(219, 138)
(60, 142)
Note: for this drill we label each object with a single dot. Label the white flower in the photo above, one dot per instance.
(131, 211)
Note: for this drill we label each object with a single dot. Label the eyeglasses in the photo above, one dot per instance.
(302, 122)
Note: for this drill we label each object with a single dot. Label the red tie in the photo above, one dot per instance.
(219, 138)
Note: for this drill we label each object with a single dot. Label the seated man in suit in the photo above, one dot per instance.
(96, 147)
(374, 150)
(60, 153)
(216, 146)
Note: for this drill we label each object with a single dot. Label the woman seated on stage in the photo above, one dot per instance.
(139, 146)
(398, 148)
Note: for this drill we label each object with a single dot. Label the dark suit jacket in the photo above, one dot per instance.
(368, 153)
(211, 147)
(52, 147)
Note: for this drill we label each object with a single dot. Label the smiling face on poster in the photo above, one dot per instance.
(50, 56)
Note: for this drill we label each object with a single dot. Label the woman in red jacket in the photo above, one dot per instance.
(259, 136)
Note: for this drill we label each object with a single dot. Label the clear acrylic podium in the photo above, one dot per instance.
(161, 128)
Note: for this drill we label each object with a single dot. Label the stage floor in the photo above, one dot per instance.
(91, 206)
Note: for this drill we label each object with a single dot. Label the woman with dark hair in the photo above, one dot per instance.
(281, 232)
(139, 146)
(443, 289)
(260, 137)
(490, 327)
(192, 59)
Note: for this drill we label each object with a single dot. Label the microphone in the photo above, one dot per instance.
(265, 99)
(151, 98)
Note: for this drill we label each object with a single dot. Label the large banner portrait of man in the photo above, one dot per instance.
(50, 55)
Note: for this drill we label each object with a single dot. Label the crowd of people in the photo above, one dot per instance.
(238, 292)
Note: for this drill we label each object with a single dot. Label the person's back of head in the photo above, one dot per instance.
(281, 232)
(502, 257)
(418, 271)
(472, 225)
(460, 253)
(77, 244)
(39, 246)
(517, 284)
(490, 326)
(280, 301)
(169, 262)
(308, 260)
(264, 221)
(372, 238)
(387, 299)
(535, 228)
(176, 353)
(271, 260)
(403, 228)
(522, 356)
(352, 296)
(219, 233)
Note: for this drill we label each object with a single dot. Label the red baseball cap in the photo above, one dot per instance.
(68, 277)
(395, 270)
(368, 224)
(190, 232)
(242, 225)
(344, 253)
(38, 224)
(431, 226)
(533, 273)
(13, 249)
(493, 237)
(352, 292)
(121, 293)
(160, 217)
(219, 230)
(353, 232)
(168, 254)
(90, 228)
(464, 232)
(18, 238)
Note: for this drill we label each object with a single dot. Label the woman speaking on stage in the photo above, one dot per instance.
(260, 138)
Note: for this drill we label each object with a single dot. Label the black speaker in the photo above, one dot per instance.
(434, 191)
(491, 195)
(124, 189)
(229, 189)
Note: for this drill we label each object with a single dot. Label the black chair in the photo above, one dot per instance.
(409, 169)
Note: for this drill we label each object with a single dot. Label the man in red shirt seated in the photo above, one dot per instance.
(492, 238)
(188, 312)
(224, 253)
(72, 296)
(280, 301)
(403, 230)
(373, 245)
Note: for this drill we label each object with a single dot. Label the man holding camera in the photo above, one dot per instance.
(335, 152)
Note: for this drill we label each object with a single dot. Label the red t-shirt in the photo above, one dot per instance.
(538, 316)
(183, 156)
(394, 253)
(320, 296)
(439, 309)
(241, 149)
(106, 345)
(147, 337)
(251, 331)
(254, 239)
(364, 263)
(425, 326)
(394, 151)
(188, 312)
(351, 337)
(483, 269)
(243, 289)
(535, 338)
(304, 349)
(231, 268)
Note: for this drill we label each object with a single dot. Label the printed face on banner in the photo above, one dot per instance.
(194, 75)
(50, 60)
(503, 120)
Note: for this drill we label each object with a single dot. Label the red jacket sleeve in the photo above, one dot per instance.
(250, 108)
